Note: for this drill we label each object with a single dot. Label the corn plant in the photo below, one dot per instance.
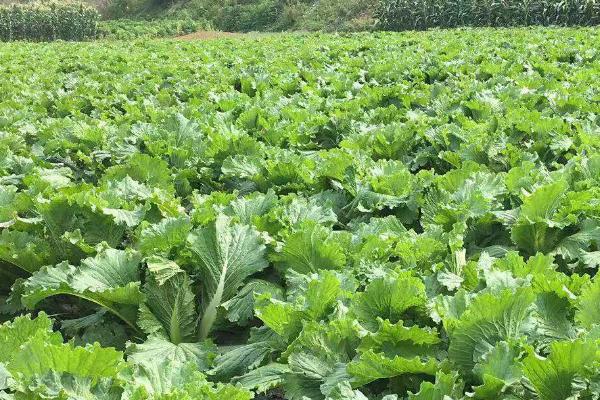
(424, 14)
(48, 21)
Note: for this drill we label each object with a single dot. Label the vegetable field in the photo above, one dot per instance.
(305, 217)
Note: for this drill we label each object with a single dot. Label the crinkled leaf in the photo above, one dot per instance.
(446, 386)
(264, 378)
(111, 279)
(372, 366)
(489, 319)
(227, 254)
(389, 297)
(164, 235)
(553, 377)
(156, 350)
(311, 248)
(240, 308)
(170, 307)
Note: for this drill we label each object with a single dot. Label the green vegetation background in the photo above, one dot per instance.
(252, 15)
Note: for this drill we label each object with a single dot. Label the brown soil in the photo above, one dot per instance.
(208, 35)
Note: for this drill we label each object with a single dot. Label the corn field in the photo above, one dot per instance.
(48, 21)
(424, 14)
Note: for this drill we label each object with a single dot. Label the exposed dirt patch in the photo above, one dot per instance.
(209, 35)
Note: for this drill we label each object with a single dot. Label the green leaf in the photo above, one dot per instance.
(552, 317)
(24, 250)
(397, 339)
(227, 254)
(170, 307)
(312, 298)
(575, 246)
(280, 316)
(129, 218)
(142, 168)
(240, 308)
(499, 369)
(111, 280)
(165, 380)
(536, 230)
(14, 334)
(588, 312)
(372, 366)
(54, 385)
(162, 269)
(255, 205)
(311, 248)
(237, 360)
(156, 350)
(318, 358)
(38, 357)
(64, 219)
(490, 318)
(542, 204)
(164, 235)
(389, 297)
(553, 377)
(343, 391)
(301, 211)
(446, 386)
(264, 378)
(394, 350)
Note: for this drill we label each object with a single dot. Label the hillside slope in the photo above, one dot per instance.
(255, 15)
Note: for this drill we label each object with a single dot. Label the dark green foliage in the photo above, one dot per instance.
(126, 29)
(48, 21)
(243, 15)
(423, 14)
(258, 15)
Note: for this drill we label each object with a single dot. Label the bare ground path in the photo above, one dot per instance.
(209, 35)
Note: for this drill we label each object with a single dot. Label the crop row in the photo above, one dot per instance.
(373, 216)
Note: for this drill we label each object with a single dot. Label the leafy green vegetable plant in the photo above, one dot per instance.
(374, 216)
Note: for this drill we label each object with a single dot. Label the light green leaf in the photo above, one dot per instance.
(240, 308)
(552, 317)
(542, 204)
(489, 319)
(447, 386)
(389, 297)
(499, 369)
(397, 339)
(264, 378)
(343, 391)
(301, 210)
(15, 333)
(168, 380)
(170, 307)
(111, 279)
(38, 357)
(311, 248)
(24, 250)
(55, 385)
(156, 350)
(162, 269)
(164, 235)
(227, 254)
(280, 316)
(129, 218)
(394, 350)
(372, 366)
(254, 205)
(588, 310)
(553, 377)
